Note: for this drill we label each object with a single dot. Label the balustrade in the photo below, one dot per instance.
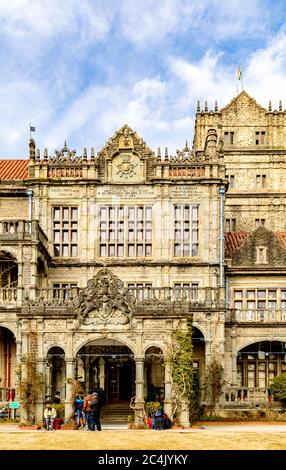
(256, 316)
(247, 394)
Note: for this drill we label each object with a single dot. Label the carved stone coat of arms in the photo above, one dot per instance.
(104, 301)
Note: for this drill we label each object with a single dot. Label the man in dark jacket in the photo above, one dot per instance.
(95, 411)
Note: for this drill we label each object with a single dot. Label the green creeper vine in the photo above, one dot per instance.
(30, 388)
(185, 381)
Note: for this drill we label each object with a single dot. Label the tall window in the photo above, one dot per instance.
(260, 182)
(126, 231)
(230, 225)
(260, 137)
(144, 289)
(260, 300)
(186, 290)
(65, 231)
(229, 138)
(64, 290)
(231, 180)
(186, 230)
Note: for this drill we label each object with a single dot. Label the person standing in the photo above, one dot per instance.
(95, 412)
(49, 414)
(57, 398)
(78, 411)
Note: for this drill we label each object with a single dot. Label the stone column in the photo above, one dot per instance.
(101, 373)
(184, 415)
(207, 352)
(69, 398)
(86, 373)
(233, 358)
(139, 381)
(168, 391)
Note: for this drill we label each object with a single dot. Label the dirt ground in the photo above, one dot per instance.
(244, 436)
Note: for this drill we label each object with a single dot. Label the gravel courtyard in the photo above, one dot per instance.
(238, 436)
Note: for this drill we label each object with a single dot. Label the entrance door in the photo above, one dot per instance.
(113, 381)
(119, 380)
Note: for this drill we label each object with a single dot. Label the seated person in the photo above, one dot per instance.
(49, 414)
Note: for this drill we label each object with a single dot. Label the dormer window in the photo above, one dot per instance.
(261, 255)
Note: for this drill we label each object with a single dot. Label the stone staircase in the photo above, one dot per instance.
(115, 413)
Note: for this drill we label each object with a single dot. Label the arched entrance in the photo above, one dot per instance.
(7, 365)
(107, 364)
(258, 364)
(198, 341)
(154, 374)
(56, 373)
(8, 277)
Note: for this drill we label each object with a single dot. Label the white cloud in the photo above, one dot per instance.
(45, 18)
(160, 106)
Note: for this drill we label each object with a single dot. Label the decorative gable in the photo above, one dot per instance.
(243, 110)
(260, 242)
(125, 158)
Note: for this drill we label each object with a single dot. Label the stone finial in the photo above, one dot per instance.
(32, 147)
(38, 156)
(270, 106)
(159, 153)
(45, 154)
(166, 153)
(92, 153)
(198, 107)
(206, 107)
(84, 154)
(216, 106)
(280, 105)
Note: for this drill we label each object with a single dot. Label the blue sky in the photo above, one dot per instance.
(80, 69)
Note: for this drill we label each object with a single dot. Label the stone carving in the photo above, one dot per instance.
(104, 301)
(187, 155)
(126, 166)
(65, 155)
(125, 140)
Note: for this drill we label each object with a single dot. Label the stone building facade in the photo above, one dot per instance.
(104, 255)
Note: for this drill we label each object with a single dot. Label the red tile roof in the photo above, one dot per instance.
(282, 237)
(13, 169)
(233, 241)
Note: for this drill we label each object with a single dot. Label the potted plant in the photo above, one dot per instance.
(60, 409)
(130, 421)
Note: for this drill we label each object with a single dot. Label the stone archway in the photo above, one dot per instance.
(7, 364)
(258, 363)
(107, 364)
(199, 352)
(154, 374)
(56, 371)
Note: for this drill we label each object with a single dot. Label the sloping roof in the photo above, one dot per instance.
(240, 97)
(282, 237)
(234, 240)
(13, 169)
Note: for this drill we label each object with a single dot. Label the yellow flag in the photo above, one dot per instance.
(239, 73)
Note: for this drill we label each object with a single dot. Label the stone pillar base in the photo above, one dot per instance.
(184, 416)
(39, 415)
(68, 411)
(139, 414)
